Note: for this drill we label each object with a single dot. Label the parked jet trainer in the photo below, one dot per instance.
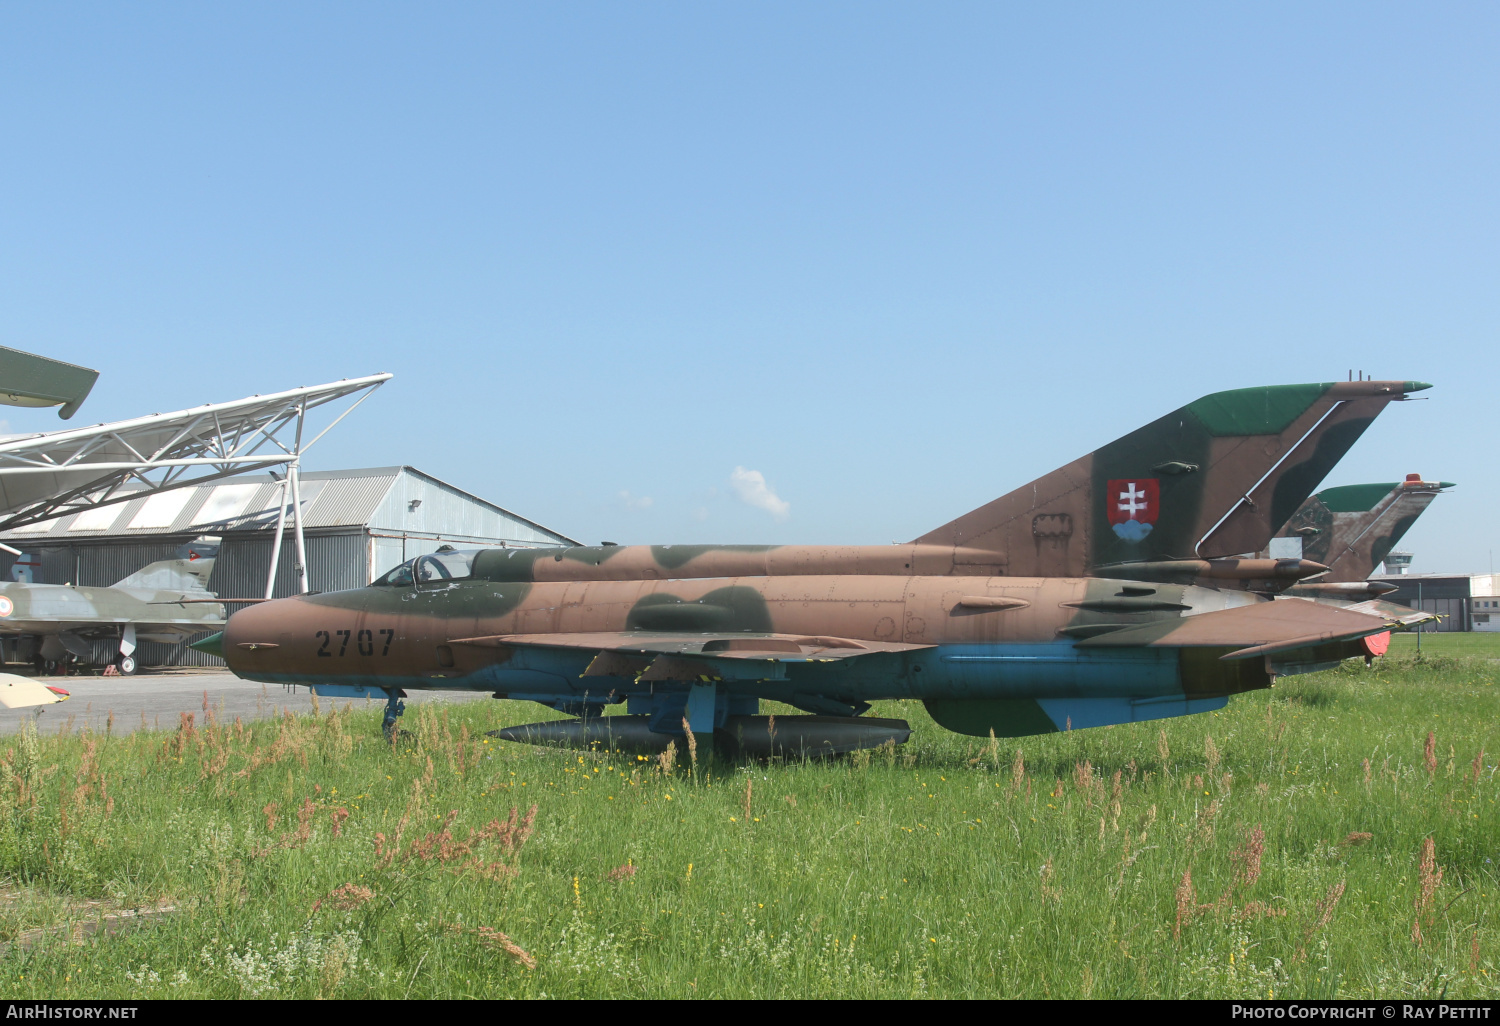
(53, 624)
(1108, 591)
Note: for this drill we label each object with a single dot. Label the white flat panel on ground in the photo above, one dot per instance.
(18, 692)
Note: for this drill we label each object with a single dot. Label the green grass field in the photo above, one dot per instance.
(1276, 848)
(1476, 645)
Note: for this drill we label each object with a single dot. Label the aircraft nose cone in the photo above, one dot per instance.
(213, 644)
(1415, 386)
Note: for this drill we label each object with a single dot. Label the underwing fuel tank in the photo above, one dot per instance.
(795, 737)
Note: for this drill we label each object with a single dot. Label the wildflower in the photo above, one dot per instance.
(495, 939)
(1431, 876)
(349, 896)
(1325, 907)
(1187, 902)
(1247, 857)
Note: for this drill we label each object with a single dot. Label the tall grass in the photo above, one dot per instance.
(1307, 841)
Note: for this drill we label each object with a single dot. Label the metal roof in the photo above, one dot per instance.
(248, 503)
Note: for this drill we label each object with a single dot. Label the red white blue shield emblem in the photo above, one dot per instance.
(1132, 506)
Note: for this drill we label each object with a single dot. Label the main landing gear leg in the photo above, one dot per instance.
(394, 707)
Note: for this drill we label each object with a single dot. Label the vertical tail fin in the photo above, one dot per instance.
(189, 572)
(188, 575)
(1215, 478)
(1351, 529)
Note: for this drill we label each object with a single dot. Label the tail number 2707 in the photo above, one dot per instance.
(364, 641)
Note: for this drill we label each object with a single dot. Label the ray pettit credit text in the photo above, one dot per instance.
(1376, 1010)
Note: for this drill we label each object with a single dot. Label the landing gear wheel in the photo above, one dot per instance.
(52, 668)
(394, 707)
(126, 665)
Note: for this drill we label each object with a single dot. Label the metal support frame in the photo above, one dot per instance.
(276, 543)
(51, 475)
(108, 464)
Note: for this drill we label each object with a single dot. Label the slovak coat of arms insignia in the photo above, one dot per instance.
(1133, 506)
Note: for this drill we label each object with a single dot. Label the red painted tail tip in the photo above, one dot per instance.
(57, 691)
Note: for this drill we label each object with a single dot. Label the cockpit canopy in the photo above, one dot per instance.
(446, 564)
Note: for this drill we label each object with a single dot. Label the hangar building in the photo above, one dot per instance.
(1465, 602)
(357, 523)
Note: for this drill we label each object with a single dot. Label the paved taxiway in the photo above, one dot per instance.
(158, 700)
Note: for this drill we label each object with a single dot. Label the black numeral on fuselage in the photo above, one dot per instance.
(364, 641)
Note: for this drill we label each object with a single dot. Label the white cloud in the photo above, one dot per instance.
(634, 501)
(751, 487)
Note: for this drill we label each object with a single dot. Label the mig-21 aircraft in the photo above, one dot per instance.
(1112, 590)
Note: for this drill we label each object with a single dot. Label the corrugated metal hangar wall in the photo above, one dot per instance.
(357, 523)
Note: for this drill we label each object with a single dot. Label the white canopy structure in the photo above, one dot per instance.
(56, 473)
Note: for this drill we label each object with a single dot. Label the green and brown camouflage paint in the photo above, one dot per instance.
(1106, 545)
(1352, 528)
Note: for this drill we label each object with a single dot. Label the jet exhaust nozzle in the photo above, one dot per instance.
(750, 736)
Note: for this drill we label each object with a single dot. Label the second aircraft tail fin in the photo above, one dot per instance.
(1352, 528)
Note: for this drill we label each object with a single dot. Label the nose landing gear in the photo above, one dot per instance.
(394, 707)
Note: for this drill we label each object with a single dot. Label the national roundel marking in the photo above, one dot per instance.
(6, 606)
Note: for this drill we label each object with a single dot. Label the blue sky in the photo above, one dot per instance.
(895, 259)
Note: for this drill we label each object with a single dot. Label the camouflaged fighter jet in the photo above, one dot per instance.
(1087, 597)
(165, 601)
(1352, 529)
